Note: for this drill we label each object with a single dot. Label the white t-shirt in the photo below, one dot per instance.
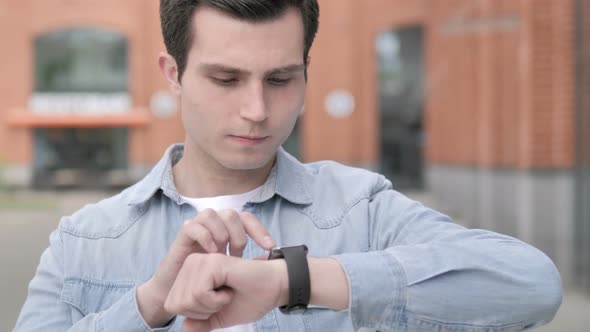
(234, 202)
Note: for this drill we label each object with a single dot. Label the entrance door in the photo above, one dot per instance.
(401, 74)
(79, 72)
(582, 222)
(68, 157)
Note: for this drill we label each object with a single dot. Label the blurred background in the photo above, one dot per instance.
(479, 108)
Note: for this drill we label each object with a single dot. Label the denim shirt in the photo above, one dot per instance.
(409, 268)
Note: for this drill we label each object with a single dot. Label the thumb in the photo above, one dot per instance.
(262, 257)
(193, 325)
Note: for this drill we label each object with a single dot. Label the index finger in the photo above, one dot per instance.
(257, 232)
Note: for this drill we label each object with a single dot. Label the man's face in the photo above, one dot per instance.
(243, 87)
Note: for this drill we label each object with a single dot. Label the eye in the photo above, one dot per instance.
(278, 81)
(224, 81)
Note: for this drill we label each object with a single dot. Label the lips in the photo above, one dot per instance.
(248, 140)
(251, 137)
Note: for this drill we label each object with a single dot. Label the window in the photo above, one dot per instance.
(81, 60)
(401, 97)
(79, 71)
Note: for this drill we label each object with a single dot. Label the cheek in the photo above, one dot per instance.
(289, 101)
(203, 107)
(197, 123)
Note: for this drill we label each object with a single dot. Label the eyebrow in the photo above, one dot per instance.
(214, 67)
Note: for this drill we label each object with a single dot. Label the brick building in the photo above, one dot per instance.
(483, 101)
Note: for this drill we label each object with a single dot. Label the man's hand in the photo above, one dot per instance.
(208, 232)
(216, 291)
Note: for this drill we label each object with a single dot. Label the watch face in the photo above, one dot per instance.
(297, 309)
(278, 251)
(304, 248)
(275, 253)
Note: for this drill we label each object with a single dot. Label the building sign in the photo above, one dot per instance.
(80, 103)
(459, 25)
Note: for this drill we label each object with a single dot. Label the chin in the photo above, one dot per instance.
(245, 162)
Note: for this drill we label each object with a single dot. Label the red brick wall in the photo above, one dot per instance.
(501, 83)
(138, 20)
(583, 89)
(14, 142)
(500, 77)
(344, 57)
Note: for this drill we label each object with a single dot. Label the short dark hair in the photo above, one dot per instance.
(176, 20)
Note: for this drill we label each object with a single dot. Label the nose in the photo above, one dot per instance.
(254, 106)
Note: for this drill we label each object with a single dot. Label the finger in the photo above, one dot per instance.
(211, 220)
(257, 231)
(262, 257)
(195, 315)
(188, 306)
(188, 299)
(215, 321)
(237, 233)
(216, 299)
(207, 303)
(192, 325)
(176, 300)
(194, 307)
(197, 232)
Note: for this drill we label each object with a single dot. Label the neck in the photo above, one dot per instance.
(198, 176)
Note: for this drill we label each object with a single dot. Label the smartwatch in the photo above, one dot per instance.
(298, 273)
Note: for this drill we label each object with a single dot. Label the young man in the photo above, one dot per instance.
(185, 247)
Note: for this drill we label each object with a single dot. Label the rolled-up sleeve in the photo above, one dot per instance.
(425, 273)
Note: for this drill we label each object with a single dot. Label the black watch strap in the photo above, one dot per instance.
(298, 272)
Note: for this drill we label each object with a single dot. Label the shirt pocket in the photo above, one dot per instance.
(416, 323)
(93, 296)
(318, 318)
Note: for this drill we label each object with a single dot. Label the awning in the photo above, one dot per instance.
(137, 117)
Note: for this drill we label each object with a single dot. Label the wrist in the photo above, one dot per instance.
(151, 306)
(282, 277)
(329, 284)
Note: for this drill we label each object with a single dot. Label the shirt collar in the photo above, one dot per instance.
(288, 179)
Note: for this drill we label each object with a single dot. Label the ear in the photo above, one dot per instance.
(169, 70)
(307, 62)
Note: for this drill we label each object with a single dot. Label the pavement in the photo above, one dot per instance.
(27, 218)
